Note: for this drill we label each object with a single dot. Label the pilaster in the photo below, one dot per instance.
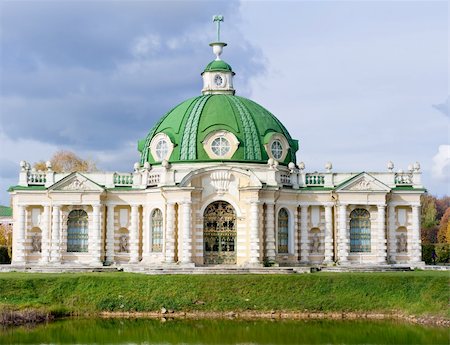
(270, 232)
(381, 234)
(110, 234)
(415, 254)
(55, 255)
(45, 243)
(392, 244)
(304, 240)
(186, 257)
(328, 253)
(254, 233)
(170, 233)
(19, 241)
(134, 234)
(343, 241)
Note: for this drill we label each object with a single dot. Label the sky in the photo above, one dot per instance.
(358, 83)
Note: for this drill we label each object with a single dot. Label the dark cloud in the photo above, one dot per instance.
(94, 75)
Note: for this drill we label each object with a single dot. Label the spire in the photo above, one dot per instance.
(218, 75)
(218, 45)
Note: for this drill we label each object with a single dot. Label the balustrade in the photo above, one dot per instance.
(315, 180)
(153, 179)
(403, 179)
(36, 178)
(123, 179)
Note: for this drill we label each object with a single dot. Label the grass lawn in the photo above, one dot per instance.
(413, 293)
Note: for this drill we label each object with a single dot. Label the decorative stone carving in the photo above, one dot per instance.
(221, 181)
(402, 244)
(76, 184)
(315, 244)
(362, 184)
(36, 244)
(123, 244)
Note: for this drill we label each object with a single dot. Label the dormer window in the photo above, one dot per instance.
(276, 146)
(161, 147)
(277, 149)
(220, 144)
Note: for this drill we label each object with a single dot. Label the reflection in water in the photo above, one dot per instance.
(140, 331)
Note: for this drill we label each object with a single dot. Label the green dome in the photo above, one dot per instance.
(218, 65)
(189, 123)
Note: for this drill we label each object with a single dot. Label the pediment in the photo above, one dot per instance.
(76, 182)
(363, 182)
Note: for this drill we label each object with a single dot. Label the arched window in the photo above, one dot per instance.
(283, 231)
(157, 230)
(360, 231)
(77, 231)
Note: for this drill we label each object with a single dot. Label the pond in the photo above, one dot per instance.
(144, 331)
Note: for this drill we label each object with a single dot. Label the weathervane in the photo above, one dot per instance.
(217, 19)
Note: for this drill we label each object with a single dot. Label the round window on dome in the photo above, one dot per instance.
(277, 149)
(220, 146)
(162, 149)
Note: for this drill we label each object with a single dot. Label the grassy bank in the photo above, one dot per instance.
(411, 293)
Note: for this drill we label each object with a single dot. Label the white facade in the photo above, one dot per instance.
(156, 216)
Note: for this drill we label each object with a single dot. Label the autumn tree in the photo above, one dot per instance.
(67, 161)
(6, 238)
(443, 234)
(428, 211)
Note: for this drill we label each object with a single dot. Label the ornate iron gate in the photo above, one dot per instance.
(219, 233)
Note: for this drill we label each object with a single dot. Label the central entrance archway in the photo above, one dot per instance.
(219, 234)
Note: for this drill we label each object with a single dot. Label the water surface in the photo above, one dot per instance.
(144, 331)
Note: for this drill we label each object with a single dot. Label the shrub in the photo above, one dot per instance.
(4, 255)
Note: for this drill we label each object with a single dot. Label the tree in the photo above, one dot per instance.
(67, 161)
(443, 235)
(442, 204)
(6, 238)
(428, 212)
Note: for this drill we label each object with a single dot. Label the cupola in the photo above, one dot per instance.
(218, 75)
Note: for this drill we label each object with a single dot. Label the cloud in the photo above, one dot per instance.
(145, 46)
(443, 107)
(441, 164)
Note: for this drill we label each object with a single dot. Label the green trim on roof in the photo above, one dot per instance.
(218, 65)
(5, 211)
(317, 188)
(411, 188)
(13, 188)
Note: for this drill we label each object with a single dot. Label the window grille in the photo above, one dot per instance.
(359, 231)
(283, 231)
(157, 230)
(77, 231)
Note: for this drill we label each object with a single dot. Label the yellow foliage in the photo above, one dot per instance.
(67, 161)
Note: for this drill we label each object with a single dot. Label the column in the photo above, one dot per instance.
(95, 237)
(19, 241)
(146, 238)
(134, 234)
(381, 234)
(110, 234)
(304, 240)
(343, 236)
(45, 244)
(270, 232)
(186, 252)
(254, 233)
(416, 253)
(392, 244)
(170, 233)
(328, 253)
(296, 234)
(56, 228)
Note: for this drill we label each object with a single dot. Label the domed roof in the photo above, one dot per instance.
(189, 124)
(218, 65)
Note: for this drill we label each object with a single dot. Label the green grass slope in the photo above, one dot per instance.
(413, 293)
